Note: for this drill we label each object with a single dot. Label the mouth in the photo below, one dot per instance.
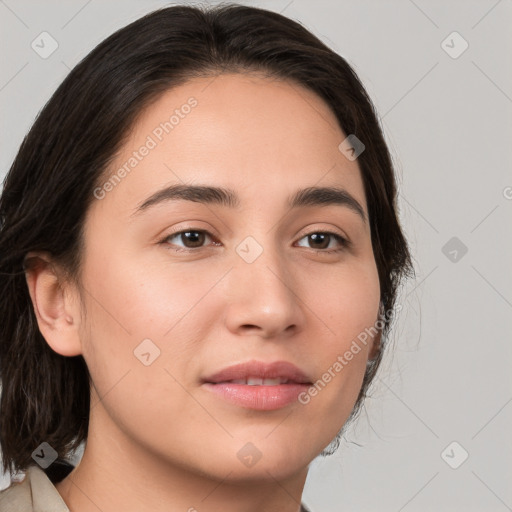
(257, 385)
(257, 381)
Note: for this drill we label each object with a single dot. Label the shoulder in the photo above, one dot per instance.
(35, 493)
(17, 497)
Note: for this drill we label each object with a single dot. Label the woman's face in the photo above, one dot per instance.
(179, 285)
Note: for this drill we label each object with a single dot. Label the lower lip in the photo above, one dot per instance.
(262, 398)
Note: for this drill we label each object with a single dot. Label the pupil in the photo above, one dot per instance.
(317, 238)
(192, 238)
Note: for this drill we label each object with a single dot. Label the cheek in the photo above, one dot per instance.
(142, 299)
(128, 303)
(133, 310)
(346, 300)
(347, 304)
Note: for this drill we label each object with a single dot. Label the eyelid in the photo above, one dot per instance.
(342, 239)
(190, 230)
(344, 243)
(331, 230)
(190, 227)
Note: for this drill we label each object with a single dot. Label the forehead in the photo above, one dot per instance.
(243, 131)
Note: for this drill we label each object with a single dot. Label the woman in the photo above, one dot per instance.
(200, 255)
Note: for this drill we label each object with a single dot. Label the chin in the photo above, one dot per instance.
(274, 456)
(243, 461)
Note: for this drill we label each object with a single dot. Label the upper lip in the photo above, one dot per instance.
(277, 369)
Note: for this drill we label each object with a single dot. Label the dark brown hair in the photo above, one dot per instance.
(49, 187)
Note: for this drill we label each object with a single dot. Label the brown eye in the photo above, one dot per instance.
(192, 238)
(319, 240)
(189, 239)
(323, 240)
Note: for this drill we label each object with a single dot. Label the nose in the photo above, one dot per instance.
(262, 299)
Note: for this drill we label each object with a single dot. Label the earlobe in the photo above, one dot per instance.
(376, 346)
(377, 340)
(55, 312)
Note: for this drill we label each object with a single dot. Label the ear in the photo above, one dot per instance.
(376, 346)
(377, 340)
(55, 304)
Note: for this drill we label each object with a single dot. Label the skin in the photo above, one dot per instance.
(157, 439)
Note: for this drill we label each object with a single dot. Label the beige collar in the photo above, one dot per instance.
(35, 493)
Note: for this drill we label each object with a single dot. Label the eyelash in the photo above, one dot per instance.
(343, 242)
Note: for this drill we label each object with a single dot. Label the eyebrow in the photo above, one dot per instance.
(310, 196)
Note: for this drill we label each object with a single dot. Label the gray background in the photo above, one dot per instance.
(448, 123)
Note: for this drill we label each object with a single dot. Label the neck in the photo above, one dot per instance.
(117, 474)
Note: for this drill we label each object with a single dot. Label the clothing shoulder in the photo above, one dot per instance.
(35, 493)
(17, 497)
